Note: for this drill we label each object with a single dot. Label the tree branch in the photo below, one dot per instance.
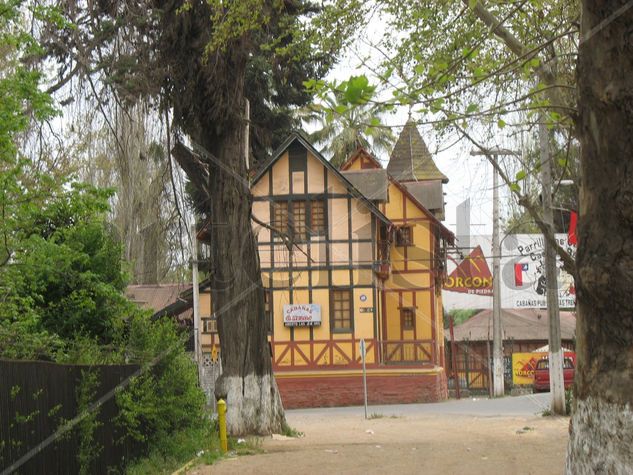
(288, 241)
(569, 263)
(195, 169)
(544, 73)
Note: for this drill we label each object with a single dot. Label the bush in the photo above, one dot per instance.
(165, 398)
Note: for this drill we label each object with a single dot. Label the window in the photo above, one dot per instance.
(404, 236)
(268, 310)
(341, 305)
(210, 325)
(280, 216)
(299, 220)
(317, 217)
(408, 318)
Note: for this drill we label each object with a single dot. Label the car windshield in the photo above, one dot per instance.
(544, 364)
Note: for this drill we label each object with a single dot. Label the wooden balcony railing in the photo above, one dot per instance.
(341, 354)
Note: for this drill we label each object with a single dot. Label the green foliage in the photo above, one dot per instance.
(459, 316)
(65, 277)
(347, 119)
(177, 450)
(165, 397)
(89, 449)
(291, 431)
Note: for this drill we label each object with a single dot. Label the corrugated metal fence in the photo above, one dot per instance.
(38, 398)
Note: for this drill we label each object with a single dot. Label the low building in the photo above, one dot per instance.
(523, 331)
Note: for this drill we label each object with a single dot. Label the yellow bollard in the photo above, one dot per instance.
(222, 423)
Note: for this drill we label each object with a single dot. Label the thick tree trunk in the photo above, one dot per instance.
(601, 431)
(247, 382)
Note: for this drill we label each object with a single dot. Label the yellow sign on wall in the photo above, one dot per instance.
(523, 365)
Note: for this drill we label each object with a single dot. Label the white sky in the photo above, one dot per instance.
(469, 176)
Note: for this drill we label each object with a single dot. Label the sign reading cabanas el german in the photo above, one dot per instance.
(302, 315)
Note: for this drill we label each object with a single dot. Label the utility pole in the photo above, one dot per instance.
(497, 336)
(196, 296)
(556, 377)
(497, 330)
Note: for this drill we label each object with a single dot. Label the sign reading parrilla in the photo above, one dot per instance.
(302, 315)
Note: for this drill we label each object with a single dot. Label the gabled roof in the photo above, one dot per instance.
(361, 153)
(411, 159)
(303, 140)
(371, 182)
(445, 233)
(370, 190)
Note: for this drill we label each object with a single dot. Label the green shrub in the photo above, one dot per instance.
(165, 398)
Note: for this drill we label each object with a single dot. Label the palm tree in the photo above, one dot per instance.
(342, 130)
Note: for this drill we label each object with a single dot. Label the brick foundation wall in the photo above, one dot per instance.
(327, 391)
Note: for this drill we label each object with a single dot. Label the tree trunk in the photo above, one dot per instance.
(247, 382)
(601, 431)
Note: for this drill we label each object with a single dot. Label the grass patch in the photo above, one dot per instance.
(176, 450)
(198, 446)
(291, 431)
(248, 446)
(375, 415)
(546, 413)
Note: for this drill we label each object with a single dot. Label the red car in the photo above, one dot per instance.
(541, 374)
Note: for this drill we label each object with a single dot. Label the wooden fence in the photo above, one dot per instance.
(38, 398)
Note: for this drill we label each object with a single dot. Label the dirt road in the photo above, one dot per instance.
(413, 443)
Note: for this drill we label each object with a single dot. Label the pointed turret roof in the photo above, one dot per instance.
(411, 159)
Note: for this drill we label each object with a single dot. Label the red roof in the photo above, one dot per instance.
(517, 324)
(157, 296)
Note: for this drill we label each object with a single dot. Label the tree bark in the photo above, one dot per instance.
(247, 382)
(601, 428)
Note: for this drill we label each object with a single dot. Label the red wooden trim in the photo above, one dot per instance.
(433, 325)
(305, 358)
(410, 289)
(413, 271)
(400, 310)
(421, 347)
(283, 353)
(415, 319)
(340, 350)
(396, 346)
(325, 348)
(409, 220)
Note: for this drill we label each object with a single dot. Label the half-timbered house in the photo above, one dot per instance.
(348, 255)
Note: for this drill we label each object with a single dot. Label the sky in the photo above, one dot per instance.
(469, 176)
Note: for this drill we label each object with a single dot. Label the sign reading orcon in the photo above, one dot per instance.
(302, 315)
(471, 276)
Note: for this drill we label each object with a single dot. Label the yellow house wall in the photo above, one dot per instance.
(411, 289)
(401, 290)
(340, 226)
